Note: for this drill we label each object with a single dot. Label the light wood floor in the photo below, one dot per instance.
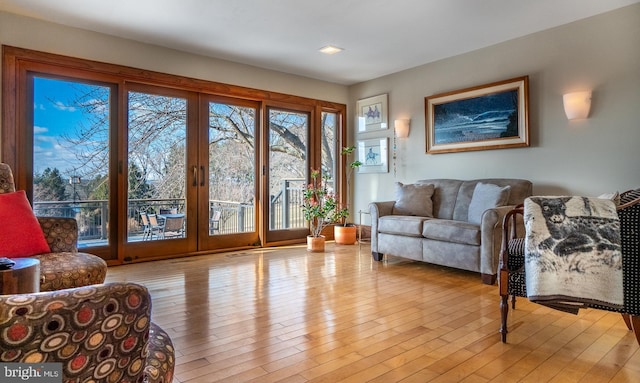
(285, 315)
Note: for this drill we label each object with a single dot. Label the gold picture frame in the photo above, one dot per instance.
(491, 116)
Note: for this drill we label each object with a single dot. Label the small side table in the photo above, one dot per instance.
(22, 278)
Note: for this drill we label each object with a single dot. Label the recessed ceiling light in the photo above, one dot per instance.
(330, 49)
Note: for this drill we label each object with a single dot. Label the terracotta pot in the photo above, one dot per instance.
(315, 244)
(345, 235)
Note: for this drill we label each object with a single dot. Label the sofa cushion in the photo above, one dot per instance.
(21, 235)
(414, 199)
(402, 225)
(486, 196)
(452, 231)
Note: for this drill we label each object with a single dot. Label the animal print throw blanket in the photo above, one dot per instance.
(572, 253)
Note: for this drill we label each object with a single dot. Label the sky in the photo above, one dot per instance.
(55, 114)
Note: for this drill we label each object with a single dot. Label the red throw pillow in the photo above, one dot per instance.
(20, 232)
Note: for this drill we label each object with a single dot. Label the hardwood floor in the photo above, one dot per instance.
(285, 315)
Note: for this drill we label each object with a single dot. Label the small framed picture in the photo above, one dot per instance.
(372, 114)
(374, 155)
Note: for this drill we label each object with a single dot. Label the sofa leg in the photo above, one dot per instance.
(489, 279)
(377, 256)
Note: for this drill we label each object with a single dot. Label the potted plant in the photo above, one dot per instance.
(345, 232)
(319, 209)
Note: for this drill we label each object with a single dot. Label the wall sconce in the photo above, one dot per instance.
(402, 128)
(577, 104)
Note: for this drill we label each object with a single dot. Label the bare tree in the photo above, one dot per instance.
(157, 134)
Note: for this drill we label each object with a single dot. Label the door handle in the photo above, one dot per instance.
(202, 174)
(195, 175)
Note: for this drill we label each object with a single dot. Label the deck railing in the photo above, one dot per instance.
(235, 217)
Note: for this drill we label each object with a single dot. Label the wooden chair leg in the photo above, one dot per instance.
(504, 311)
(633, 324)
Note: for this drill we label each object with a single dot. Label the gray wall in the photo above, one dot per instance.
(582, 157)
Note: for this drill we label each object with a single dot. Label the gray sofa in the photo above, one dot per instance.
(447, 222)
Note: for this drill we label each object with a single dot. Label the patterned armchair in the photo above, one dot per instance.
(98, 333)
(64, 267)
(512, 273)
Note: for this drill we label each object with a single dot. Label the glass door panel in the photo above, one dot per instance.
(157, 130)
(329, 140)
(232, 169)
(160, 184)
(71, 155)
(287, 176)
(229, 194)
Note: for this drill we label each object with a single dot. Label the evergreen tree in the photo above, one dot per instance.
(49, 186)
(139, 188)
(99, 188)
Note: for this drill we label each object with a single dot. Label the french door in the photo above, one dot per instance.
(161, 173)
(154, 169)
(286, 175)
(228, 173)
(200, 167)
(292, 149)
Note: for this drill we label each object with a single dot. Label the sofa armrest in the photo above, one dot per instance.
(160, 357)
(61, 233)
(491, 238)
(378, 209)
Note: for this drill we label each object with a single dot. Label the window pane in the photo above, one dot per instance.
(157, 130)
(329, 160)
(231, 169)
(287, 168)
(71, 154)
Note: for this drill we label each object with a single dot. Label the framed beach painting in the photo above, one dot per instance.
(491, 116)
(372, 114)
(374, 155)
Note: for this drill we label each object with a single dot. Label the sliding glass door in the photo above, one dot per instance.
(288, 171)
(161, 172)
(71, 134)
(228, 215)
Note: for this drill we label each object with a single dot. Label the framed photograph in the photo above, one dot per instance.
(492, 116)
(374, 155)
(372, 114)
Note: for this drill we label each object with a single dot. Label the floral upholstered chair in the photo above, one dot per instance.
(98, 333)
(61, 265)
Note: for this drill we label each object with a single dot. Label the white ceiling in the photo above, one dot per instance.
(379, 36)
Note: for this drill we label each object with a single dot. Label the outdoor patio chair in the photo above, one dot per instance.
(214, 225)
(173, 227)
(156, 227)
(146, 234)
